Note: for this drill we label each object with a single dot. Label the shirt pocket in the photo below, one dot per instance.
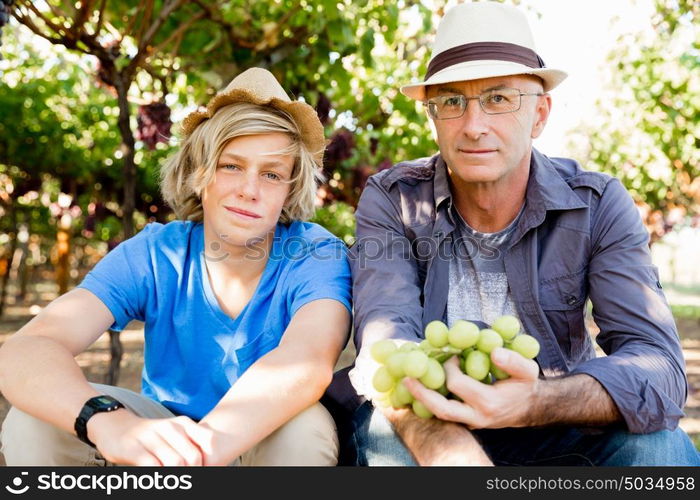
(563, 300)
(256, 349)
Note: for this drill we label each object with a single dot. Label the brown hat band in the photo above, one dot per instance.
(480, 51)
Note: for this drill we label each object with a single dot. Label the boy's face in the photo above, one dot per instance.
(244, 201)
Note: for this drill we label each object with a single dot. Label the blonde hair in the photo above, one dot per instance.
(185, 175)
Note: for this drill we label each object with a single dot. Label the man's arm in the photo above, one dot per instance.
(386, 285)
(523, 400)
(282, 383)
(644, 370)
(436, 442)
(387, 295)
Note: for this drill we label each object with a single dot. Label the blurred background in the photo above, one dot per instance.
(92, 91)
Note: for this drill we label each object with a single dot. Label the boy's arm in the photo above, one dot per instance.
(281, 384)
(39, 375)
(38, 372)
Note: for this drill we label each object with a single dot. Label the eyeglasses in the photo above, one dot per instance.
(493, 102)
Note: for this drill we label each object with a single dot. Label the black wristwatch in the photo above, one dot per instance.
(98, 404)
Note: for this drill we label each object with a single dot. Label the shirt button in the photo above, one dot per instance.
(571, 300)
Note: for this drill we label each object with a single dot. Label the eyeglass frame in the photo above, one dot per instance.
(481, 104)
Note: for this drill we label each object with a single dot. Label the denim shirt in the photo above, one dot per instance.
(580, 237)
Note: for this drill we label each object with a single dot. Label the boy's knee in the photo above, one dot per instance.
(310, 438)
(26, 440)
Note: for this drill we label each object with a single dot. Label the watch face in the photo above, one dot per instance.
(104, 400)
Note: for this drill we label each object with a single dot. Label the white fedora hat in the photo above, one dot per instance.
(483, 40)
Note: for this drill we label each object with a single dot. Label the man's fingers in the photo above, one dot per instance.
(462, 385)
(439, 405)
(514, 364)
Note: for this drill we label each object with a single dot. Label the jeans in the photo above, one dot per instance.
(376, 443)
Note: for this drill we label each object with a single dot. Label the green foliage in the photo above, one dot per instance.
(339, 219)
(648, 132)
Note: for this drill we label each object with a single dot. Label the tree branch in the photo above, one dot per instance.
(81, 16)
(100, 18)
(179, 32)
(217, 18)
(144, 42)
(27, 22)
(59, 30)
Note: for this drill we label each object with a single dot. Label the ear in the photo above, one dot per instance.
(542, 110)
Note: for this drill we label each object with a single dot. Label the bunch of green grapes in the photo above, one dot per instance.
(424, 361)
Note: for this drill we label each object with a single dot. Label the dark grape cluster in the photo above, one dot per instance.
(4, 15)
(154, 123)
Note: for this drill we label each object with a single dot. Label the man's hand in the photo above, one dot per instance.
(503, 404)
(126, 439)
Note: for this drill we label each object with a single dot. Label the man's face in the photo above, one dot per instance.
(483, 148)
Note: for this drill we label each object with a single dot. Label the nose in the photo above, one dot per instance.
(474, 120)
(250, 186)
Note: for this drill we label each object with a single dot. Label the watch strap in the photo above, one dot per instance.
(98, 404)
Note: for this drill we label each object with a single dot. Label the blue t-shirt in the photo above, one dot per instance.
(194, 351)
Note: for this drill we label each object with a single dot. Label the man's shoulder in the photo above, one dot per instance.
(577, 177)
(411, 172)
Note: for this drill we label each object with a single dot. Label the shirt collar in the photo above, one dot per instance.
(546, 190)
(441, 184)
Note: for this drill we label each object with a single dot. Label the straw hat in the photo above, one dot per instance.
(259, 86)
(483, 40)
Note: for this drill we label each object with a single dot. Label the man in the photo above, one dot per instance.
(490, 226)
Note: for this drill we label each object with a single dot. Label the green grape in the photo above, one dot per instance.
(415, 364)
(382, 380)
(381, 350)
(434, 378)
(498, 373)
(489, 340)
(401, 396)
(394, 364)
(526, 345)
(486, 380)
(421, 410)
(425, 346)
(408, 347)
(443, 390)
(477, 365)
(436, 333)
(463, 334)
(383, 400)
(507, 326)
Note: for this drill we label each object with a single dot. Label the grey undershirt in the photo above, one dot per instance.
(478, 284)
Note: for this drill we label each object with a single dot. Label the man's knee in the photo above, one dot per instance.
(310, 438)
(662, 448)
(26, 440)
